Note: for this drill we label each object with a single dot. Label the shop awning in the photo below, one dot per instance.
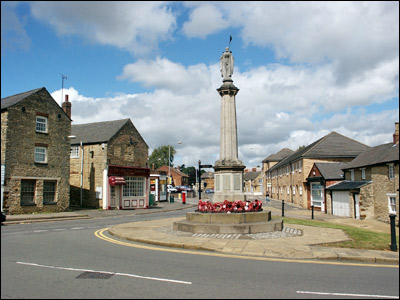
(116, 180)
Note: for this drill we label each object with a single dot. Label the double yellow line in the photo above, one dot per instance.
(100, 234)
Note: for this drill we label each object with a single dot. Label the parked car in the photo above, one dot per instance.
(209, 191)
(189, 189)
(171, 189)
(3, 217)
(181, 188)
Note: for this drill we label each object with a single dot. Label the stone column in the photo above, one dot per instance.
(228, 169)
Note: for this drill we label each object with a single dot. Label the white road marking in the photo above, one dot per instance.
(348, 295)
(105, 272)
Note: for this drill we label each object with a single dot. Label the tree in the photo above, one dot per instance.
(191, 172)
(160, 155)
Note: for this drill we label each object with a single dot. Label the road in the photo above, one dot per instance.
(68, 260)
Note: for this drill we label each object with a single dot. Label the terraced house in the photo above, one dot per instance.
(288, 178)
(35, 151)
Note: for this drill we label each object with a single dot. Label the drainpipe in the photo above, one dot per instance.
(81, 174)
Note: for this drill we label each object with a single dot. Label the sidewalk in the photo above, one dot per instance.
(294, 242)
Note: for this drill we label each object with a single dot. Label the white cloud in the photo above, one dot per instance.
(204, 20)
(164, 74)
(13, 33)
(132, 25)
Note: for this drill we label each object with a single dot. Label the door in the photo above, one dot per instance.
(317, 195)
(115, 196)
(340, 203)
(357, 206)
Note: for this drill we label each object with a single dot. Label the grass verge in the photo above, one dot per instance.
(360, 238)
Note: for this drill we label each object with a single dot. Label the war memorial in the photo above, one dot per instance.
(228, 212)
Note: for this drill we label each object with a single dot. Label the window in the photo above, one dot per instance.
(49, 192)
(288, 190)
(391, 171)
(75, 151)
(40, 155)
(41, 124)
(294, 190)
(28, 192)
(352, 175)
(362, 173)
(300, 190)
(392, 203)
(135, 187)
(299, 166)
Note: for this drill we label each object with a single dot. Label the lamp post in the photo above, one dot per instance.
(169, 158)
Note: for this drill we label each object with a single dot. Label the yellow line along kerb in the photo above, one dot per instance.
(100, 234)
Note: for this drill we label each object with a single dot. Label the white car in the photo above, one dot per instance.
(171, 189)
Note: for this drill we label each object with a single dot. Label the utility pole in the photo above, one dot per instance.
(62, 86)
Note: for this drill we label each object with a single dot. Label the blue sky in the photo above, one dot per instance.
(303, 69)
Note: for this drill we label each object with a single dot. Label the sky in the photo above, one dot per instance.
(303, 69)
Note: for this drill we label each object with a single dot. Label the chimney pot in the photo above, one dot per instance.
(66, 98)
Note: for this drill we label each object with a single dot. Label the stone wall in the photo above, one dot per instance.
(18, 146)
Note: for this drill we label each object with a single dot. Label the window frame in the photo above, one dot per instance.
(46, 193)
(28, 193)
(75, 150)
(390, 204)
(391, 171)
(45, 124)
(36, 153)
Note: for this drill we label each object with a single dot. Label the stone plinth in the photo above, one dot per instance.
(244, 223)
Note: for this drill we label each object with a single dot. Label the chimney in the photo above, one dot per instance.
(254, 169)
(67, 106)
(396, 133)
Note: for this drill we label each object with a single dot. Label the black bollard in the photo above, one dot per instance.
(283, 208)
(393, 245)
(312, 212)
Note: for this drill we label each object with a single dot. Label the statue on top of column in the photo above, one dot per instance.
(226, 62)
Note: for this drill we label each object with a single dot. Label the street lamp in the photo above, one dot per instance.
(169, 158)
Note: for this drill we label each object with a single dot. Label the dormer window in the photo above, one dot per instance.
(352, 175)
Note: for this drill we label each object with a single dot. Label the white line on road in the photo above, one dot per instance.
(348, 295)
(105, 272)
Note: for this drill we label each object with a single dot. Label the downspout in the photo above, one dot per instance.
(81, 174)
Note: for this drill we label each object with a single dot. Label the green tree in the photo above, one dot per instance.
(191, 172)
(160, 155)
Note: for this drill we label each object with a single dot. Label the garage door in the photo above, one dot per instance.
(340, 203)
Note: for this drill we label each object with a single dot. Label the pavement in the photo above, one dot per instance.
(293, 242)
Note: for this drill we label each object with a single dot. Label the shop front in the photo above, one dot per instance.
(126, 187)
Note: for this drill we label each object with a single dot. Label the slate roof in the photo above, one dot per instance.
(347, 185)
(333, 145)
(331, 171)
(381, 154)
(285, 152)
(14, 99)
(251, 175)
(98, 132)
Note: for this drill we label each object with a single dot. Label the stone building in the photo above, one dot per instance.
(271, 161)
(370, 189)
(288, 177)
(109, 166)
(35, 150)
(207, 181)
(252, 181)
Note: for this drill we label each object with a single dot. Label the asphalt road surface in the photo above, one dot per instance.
(69, 259)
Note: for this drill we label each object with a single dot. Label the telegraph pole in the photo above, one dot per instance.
(62, 86)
